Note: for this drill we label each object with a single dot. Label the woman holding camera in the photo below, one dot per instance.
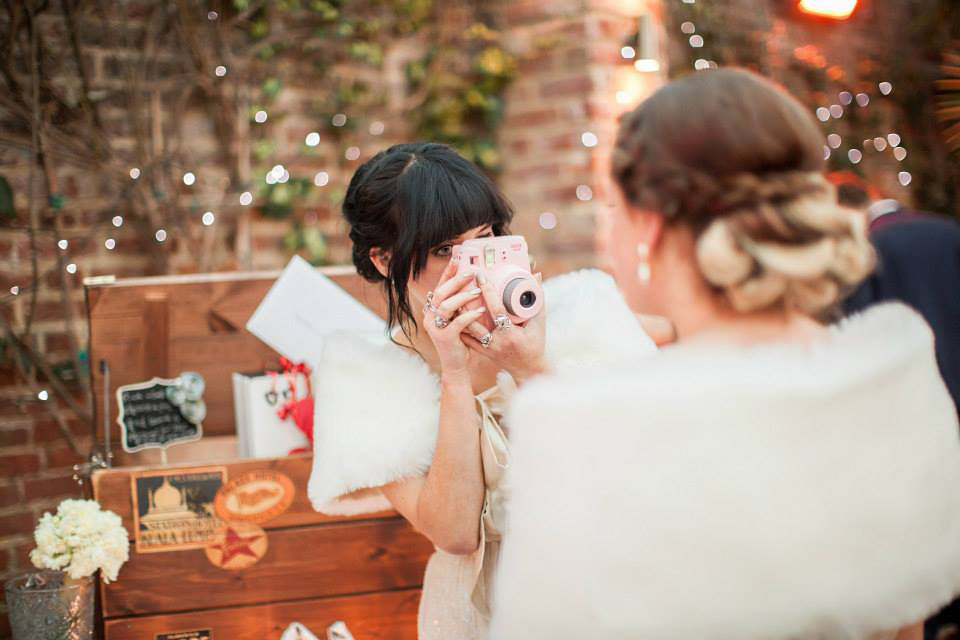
(415, 423)
(766, 477)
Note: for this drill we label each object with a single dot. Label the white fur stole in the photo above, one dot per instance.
(377, 405)
(784, 492)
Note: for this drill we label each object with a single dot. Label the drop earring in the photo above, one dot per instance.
(643, 266)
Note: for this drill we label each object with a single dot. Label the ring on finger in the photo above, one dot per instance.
(502, 321)
(485, 340)
(440, 322)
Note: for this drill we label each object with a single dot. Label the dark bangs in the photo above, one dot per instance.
(440, 196)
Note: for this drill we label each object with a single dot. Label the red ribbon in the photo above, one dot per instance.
(300, 410)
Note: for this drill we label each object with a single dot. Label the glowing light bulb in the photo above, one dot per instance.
(589, 139)
(312, 139)
(899, 153)
(260, 117)
(584, 192)
(339, 120)
(72, 268)
(885, 88)
(548, 220)
(863, 99)
(63, 244)
(377, 128)
(647, 65)
(696, 41)
(208, 218)
(893, 139)
(688, 28)
(43, 395)
(905, 178)
(15, 290)
(117, 221)
(855, 156)
(352, 153)
(246, 198)
(834, 140)
(321, 179)
(835, 9)
(823, 114)
(628, 53)
(134, 173)
(189, 179)
(110, 244)
(160, 235)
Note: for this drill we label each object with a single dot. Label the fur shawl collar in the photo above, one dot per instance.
(736, 494)
(377, 405)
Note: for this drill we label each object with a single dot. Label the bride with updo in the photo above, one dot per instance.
(767, 477)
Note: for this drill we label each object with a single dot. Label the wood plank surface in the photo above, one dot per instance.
(111, 488)
(300, 563)
(379, 616)
(205, 323)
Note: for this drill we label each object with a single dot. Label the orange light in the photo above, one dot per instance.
(836, 9)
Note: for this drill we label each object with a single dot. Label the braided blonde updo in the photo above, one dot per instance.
(741, 162)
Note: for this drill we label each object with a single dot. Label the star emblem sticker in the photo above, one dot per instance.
(241, 545)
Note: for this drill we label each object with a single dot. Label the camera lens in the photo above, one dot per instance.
(528, 299)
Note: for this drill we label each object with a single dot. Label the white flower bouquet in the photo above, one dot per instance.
(80, 539)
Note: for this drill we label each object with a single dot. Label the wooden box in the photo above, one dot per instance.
(365, 571)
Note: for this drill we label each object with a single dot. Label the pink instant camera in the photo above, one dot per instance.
(506, 265)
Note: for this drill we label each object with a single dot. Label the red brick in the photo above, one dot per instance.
(575, 86)
(9, 496)
(14, 523)
(21, 555)
(539, 171)
(18, 463)
(531, 118)
(45, 431)
(60, 485)
(14, 437)
(62, 457)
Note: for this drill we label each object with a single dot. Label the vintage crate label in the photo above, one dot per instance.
(198, 634)
(255, 496)
(174, 509)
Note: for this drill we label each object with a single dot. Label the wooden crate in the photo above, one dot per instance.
(317, 569)
(365, 571)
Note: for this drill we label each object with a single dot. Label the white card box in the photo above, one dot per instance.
(260, 431)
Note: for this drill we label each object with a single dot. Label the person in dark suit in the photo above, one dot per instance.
(918, 263)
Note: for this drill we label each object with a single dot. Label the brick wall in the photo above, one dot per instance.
(569, 71)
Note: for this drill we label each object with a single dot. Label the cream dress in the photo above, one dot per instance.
(376, 420)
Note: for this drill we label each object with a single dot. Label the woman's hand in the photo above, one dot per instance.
(517, 349)
(451, 294)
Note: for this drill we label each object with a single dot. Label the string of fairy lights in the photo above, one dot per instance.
(279, 174)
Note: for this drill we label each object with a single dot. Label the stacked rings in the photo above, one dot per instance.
(501, 322)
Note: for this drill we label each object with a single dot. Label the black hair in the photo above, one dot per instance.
(407, 200)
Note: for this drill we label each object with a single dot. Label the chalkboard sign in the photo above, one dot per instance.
(154, 414)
